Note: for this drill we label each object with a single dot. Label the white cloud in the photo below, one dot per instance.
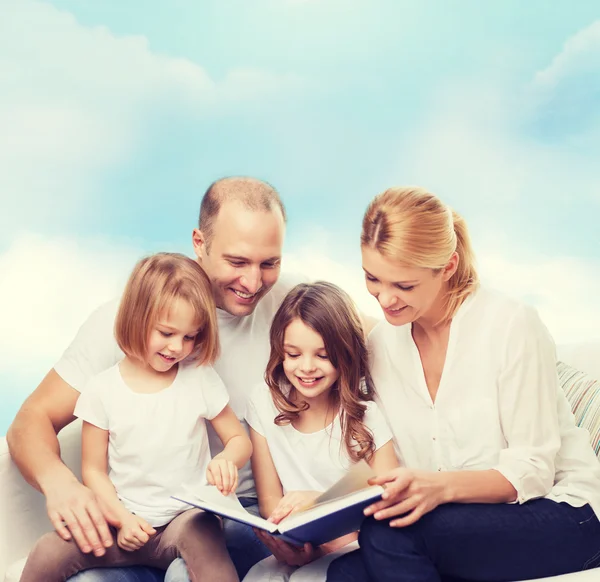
(563, 289)
(580, 55)
(49, 286)
(75, 100)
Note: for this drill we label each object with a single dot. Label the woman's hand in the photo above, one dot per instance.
(291, 502)
(408, 493)
(288, 553)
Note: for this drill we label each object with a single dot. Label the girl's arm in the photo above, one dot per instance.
(229, 429)
(222, 470)
(384, 458)
(94, 468)
(268, 485)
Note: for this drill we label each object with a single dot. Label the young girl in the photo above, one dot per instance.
(315, 415)
(144, 432)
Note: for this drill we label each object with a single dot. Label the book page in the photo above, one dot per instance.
(356, 479)
(209, 498)
(211, 494)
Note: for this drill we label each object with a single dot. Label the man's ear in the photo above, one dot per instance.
(199, 242)
(451, 266)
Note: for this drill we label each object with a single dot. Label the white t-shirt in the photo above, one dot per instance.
(244, 355)
(157, 442)
(498, 406)
(308, 461)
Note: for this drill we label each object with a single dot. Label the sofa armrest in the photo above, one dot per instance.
(23, 517)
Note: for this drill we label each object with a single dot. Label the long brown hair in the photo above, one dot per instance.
(414, 227)
(331, 313)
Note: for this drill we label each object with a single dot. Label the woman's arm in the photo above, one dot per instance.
(94, 468)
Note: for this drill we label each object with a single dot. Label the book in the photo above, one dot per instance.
(336, 512)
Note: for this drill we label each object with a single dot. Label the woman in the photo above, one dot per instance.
(497, 482)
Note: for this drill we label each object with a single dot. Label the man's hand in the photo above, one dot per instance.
(223, 474)
(134, 533)
(76, 513)
(410, 494)
(287, 553)
(291, 502)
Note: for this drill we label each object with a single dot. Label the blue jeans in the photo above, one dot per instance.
(483, 542)
(244, 548)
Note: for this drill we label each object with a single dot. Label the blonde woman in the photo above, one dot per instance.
(497, 482)
(144, 433)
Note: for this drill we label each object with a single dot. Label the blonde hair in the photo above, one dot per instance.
(414, 227)
(154, 285)
(330, 312)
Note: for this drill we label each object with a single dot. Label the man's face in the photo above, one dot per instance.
(243, 257)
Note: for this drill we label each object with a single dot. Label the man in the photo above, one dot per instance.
(238, 242)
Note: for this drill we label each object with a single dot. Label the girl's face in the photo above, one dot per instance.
(306, 364)
(405, 294)
(172, 337)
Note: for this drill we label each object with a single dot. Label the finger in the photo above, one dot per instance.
(100, 525)
(209, 476)
(109, 515)
(89, 528)
(132, 540)
(127, 546)
(147, 528)
(399, 476)
(401, 509)
(236, 481)
(140, 537)
(383, 504)
(59, 525)
(218, 477)
(232, 477)
(225, 478)
(409, 519)
(76, 531)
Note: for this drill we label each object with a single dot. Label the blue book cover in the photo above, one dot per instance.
(337, 512)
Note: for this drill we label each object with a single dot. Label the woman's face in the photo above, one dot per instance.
(406, 294)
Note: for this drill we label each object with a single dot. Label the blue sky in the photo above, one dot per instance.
(116, 116)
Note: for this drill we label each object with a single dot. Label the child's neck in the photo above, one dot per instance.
(144, 379)
(320, 415)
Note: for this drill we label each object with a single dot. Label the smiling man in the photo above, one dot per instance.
(238, 242)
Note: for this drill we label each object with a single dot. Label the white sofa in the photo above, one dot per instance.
(22, 510)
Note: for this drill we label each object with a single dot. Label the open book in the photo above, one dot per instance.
(338, 511)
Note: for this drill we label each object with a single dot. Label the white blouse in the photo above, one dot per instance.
(308, 461)
(498, 405)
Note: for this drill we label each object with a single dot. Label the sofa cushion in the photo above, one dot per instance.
(583, 394)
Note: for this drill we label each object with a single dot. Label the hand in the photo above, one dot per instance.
(134, 533)
(408, 493)
(291, 502)
(76, 513)
(223, 474)
(288, 553)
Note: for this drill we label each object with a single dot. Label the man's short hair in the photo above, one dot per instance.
(252, 193)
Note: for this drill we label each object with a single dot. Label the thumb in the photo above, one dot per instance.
(148, 528)
(110, 516)
(401, 478)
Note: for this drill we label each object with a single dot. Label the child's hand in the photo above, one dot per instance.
(134, 533)
(223, 474)
(291, 502)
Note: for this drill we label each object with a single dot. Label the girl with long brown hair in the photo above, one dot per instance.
(315, 416)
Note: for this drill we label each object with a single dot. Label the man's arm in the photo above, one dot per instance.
(34, 447)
